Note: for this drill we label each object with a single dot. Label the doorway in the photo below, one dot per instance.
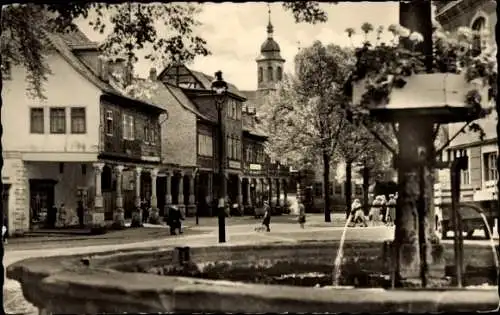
(41, 200)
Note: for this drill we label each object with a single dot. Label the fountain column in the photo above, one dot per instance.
(416, 247)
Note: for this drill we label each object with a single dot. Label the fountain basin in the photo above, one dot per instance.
(123, 281)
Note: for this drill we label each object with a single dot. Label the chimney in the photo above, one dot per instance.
(103, 69)
(129, 73)
(152, 74)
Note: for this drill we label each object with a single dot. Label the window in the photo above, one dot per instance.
(147, 133)
(464, 174)
(152, 134)
(238, 110)
(261, 74)
(318, 189)
(109, 123)
(260, 155)
(270, 74)
(338, 189)
(205, 145)
(248, 154)
(78, 122)
(58, 120)
(237, 149)
(279, 74)
(128, 127)
(36, 120)
(358, 190)
(490, 166)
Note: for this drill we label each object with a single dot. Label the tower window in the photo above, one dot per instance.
(279, 74)
(261, 74)
(270, 73)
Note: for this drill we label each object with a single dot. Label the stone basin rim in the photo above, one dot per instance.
(56, 274)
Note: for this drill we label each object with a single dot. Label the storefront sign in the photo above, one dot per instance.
(234, 164)
(255, 167)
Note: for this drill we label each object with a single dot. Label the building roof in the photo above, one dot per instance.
(184, 101)
(60, 43)
(254, 98)
(488, 124)
(269, 45)
(206, 81)
(76, 38)
(270, 49)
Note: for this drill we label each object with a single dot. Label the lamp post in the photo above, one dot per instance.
(219, 88)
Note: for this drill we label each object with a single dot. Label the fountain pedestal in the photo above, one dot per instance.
(409, 268)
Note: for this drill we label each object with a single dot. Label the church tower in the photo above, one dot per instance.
(269, 63)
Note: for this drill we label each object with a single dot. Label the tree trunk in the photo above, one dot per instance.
(366, 186)
(326, 186)
(348, 187)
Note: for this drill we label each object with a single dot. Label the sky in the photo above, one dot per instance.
(235, 31)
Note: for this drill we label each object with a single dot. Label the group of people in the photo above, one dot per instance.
(266, 221)
(381, 210)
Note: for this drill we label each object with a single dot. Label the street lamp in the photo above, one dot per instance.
(219, 88)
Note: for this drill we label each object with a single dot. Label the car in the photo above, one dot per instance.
(472, 219)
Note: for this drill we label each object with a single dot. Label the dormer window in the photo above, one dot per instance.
(479, 28)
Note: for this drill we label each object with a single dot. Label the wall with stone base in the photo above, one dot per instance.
(15, 173)
(18, 173)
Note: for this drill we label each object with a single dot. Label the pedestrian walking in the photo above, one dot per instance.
(145, 211)
(5, 229)
(174, 218)
(391, 210)
(266, 221)
(80, 212)
(374, 215)
(383, 208)
(357, 213)
(302, 214)
(51, 217)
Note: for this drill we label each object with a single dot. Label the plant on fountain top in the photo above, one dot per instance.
(384, 66)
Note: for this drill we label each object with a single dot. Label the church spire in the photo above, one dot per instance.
(269, 25)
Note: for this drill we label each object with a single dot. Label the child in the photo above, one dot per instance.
(267, 216)
(391, 210)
